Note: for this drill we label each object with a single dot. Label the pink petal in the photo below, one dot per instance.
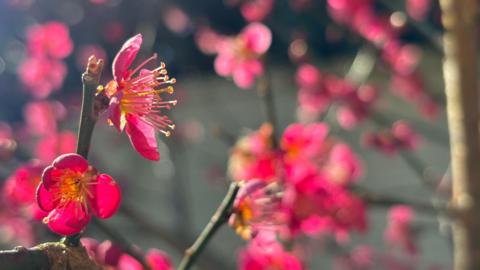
(109, 253)
(45, 198)
(142, 137)
(158, 260)
(257, 37)
(50, 176)
(105, 196)
(125, 57)
(68, 220)
(71, 161)
(127, 262)
(242, 77)
(115, 112)
(224, 64)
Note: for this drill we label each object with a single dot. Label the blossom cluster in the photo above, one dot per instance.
(43, 70)
(318, 91)
(400, 58)
(302, 188)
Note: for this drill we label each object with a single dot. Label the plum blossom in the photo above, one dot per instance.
(41, 75)
(41, 116)
(111, 256)
(400, 232)
(264, 252)
(71, 190)
(256, 208)
(239, 57)
(52, 145)
(400, 137)
(19, 189)
(254, 10)
(135, 102)
(51, 39)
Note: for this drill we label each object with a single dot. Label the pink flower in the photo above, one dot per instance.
(264, 253)
(71, 190)
(20, 187)
(156, 260)
(49, 40)
(253, 157)
(400, 137)
(313, 96)
(399, 231)
(256, 10)
(51, 146)
(239, 57)
(135, 104)
(41, 116)
(418, 9)
(42, 75)
(304, 141)
(256, 208)
(317, 206)
(16, 229)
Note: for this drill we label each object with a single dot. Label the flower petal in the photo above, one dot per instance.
(50, 176)
(142, 137)
(125, 57)
(68, 220)
(115, 115)
(45, 198)
(158, 260)
(71, 161)
(105, 196)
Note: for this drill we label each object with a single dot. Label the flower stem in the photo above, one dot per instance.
(219, 218)
(88, 118)
(264, 88)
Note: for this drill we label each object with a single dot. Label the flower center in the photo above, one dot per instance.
(73, 187)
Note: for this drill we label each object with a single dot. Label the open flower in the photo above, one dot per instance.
(239, 57)
(135, 102)
(71, 189)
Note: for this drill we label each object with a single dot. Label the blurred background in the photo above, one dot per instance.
(167, 203)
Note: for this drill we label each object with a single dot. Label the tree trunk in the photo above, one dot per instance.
(460, 20)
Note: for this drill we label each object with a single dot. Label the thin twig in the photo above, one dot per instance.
(218, 219)
(265, 92)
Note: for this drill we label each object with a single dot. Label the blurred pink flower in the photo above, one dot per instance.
(207, 40)
(41, 116)
(41, 75)
(51, 146)
(399, 232)
(51, 39)
(264, 252)
(256, 10)
(418, 9)
(19, 189)
(135, 102)
(176, 20)
(400, 137)
(239, 57)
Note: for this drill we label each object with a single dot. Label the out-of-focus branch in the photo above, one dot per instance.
(265, 91)
(382, 200)
(460, 68)
(219, 218)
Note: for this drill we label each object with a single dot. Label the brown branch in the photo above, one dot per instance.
(460, 19)
(53, 256)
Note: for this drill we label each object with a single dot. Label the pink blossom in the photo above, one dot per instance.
(135, 102)
(304, 141)
(263, 253)
(256, 208)
(176, 20)
(16, 229)
(343, 166)
(400, 137)
(256, 10)
(51, 39)
(51, 146)
(399, 231)
(313, 96)
(317, 206)
(71, 190)
(41, 116)
(41, 75)
(418, 9)
(156, 260)
(19, 189)
(207, 40)
(239, 57)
